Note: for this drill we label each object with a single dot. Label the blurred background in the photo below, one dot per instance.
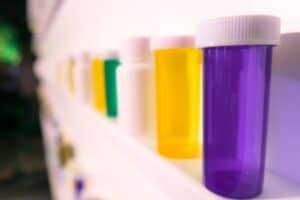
(22, 166)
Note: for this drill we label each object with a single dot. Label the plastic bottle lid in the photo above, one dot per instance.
(136, 49)
(109, 54)
(239, 30)
(172, 42)
(102, 54)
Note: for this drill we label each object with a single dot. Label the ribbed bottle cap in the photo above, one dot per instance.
(239, 30)
(172, 42)
(135, 49)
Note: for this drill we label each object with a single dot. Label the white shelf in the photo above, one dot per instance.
(120, 166)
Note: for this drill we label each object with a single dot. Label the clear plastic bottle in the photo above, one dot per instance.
(80, 74)
(70, 74)
(63, 70)
(177, 74)
(237, 69)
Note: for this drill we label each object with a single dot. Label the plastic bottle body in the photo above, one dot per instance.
(64, 76)
(236, 84)
(177, 73)
(98, 85)
(111, 66)
(87, 61)
(71, 82)
(133, 97)
(81, 81)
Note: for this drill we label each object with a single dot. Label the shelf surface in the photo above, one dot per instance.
(121, 166)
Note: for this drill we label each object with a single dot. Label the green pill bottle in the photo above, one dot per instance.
(111, 63)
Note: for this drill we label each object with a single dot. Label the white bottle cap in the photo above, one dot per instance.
(102, 54)
(136, 49)
(109, 54)
(172, 42)
(239, 30)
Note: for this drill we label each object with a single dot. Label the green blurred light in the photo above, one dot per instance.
(9, 45)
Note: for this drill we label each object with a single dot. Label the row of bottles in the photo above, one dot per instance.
(124, 86)
(179, 87)
(91, 79)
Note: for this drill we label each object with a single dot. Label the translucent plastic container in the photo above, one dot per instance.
(98, 84)
(177, 74)
(80, 76)
(70, 78)
(237, 69)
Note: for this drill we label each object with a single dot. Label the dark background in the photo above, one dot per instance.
(22, 168)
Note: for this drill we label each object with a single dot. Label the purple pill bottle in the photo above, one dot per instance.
(237, 70)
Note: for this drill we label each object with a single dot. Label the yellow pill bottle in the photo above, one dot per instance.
(178, 72)
(98, 84)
